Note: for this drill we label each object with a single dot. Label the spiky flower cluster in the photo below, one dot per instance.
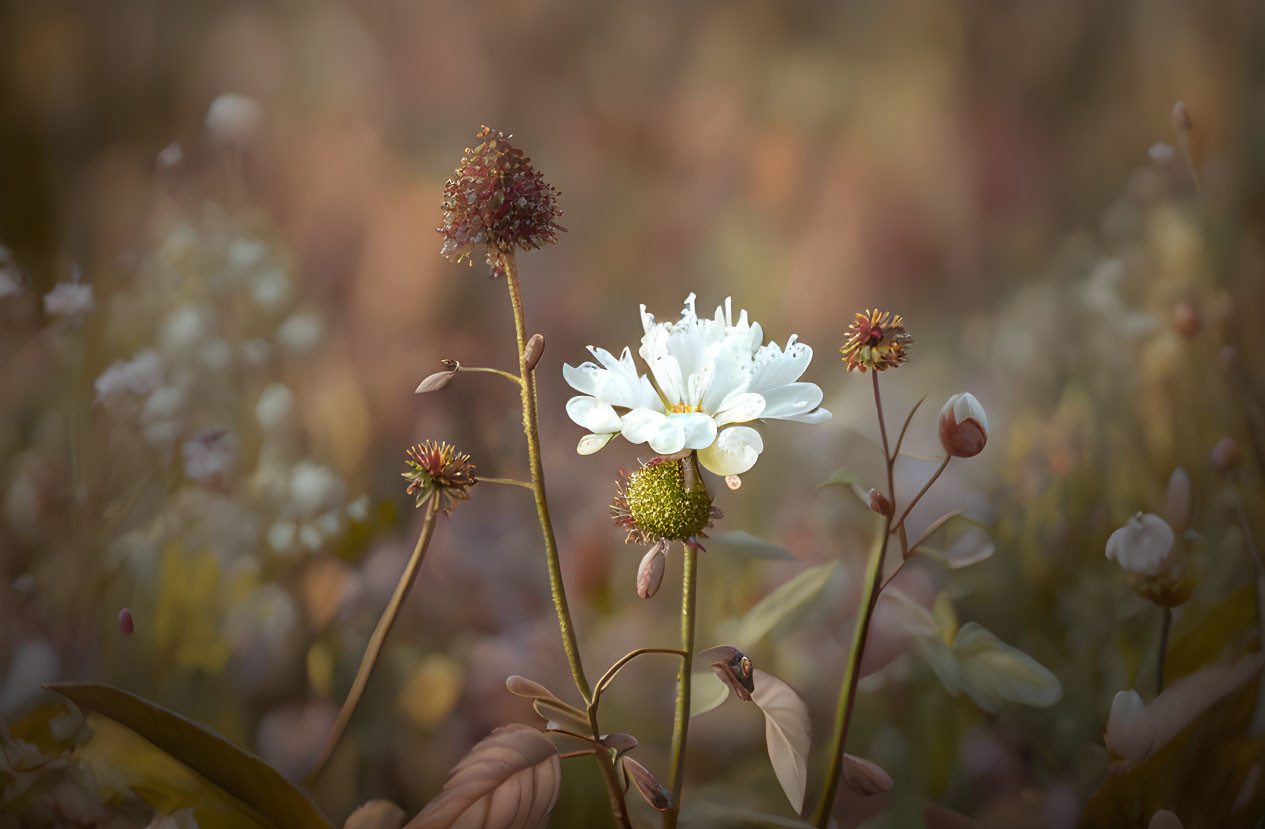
(438, 470)
(877, 340)
(498, 200)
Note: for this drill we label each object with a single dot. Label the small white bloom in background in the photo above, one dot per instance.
(1164, 819)
(310, 537)
(160, 416)
(186, 327)
(358, 510)
(711, 375)
(274, 406)
(314, 487)
(1156, 568)
(963, 426)
(246, 254)
(216, 355)
(270, 288)
(69, 299)
(281, 536)
(1177, 505)
(140, 375)
(256, 351)
(234, 118)
(208, 457)
(1130, 732)
(170, 156)
(1161, 153)
(301, 332)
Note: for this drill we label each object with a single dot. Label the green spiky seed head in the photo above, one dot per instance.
(662, 507)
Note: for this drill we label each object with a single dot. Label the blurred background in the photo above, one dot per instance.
(220, 283)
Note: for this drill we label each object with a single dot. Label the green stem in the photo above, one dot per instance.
(374, 649)
(681, 722)
(852, 673)
(1159, 670)
(506, 481)
(513, 378)
(609, 676)
(531, 428)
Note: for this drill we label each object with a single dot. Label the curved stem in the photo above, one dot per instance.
(900, 522)
(852, 673)
(681, 722)
(609, 676)
(513, 378)
(904, 428)
(531, 428)
(507, 481)
(374, 649)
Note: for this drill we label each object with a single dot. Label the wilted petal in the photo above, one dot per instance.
(735, 451)
(592, 414)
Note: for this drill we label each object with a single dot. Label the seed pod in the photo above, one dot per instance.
(531, 353)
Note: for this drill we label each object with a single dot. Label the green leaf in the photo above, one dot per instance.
(707, 692)
(844, 476)
(746, 545)
(239, 773)
(782, 603)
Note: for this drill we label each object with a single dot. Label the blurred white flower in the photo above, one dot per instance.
(182, 819)
(186, 327)
(234, 118)
(68, 299)
(270, 288)
(314, 487)
(301, 332)
(1130, 732)
(274, 406)
(245, 254)
(12, 280)
(256, 351)
(1143, 545)
(709, 375)
(208, 457)
(281, 536)
(1161, 153)
(358, 510)
(170, 156)
(216, 355)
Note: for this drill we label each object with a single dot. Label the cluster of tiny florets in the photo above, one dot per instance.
(438, 470)
(497, 200)
(876, 340)
(654, 503)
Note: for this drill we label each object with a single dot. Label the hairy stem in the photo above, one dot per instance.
(681, 722)
(376, 641)
(852, 672)
(531, 428)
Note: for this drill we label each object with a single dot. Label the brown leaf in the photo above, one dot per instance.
(509, 780)
(649, 786)
(531, 353)
(376, 814)
(788, 733)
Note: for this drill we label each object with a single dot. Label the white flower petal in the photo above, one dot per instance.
(818, 415)
(667, 373)
(741, 408)
(775, 367)
(595, 415)
(734, 452)
(639, 425)
(791, 399)
(669, 438)
(699, 429)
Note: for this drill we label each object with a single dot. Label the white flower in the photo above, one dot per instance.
(709, 375)
(140, 375)
(234, 118)
(1143, 545)
(68, 299)
(1130, 732)
(209, 456)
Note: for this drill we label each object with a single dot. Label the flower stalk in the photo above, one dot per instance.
(681, 721)
(1159, 669)
(376, 641)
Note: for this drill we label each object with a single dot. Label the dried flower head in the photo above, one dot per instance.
(437, 470)
(497, 199)
(877, 340)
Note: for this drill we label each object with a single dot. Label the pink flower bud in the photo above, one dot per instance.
(879, 503)
(1185, 319)
(963, 426)
(126, 625)
(1177, 506)
(1225, 455)
(650, 573)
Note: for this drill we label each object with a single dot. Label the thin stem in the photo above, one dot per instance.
(582, 753)
(908, 419)
(507, 481)
(900, 522)
(934, 528)
(852, 672)
(531, 428)
(515, 379)
(681, 722)
(374, 649)
(609, 676)
(1159, 670)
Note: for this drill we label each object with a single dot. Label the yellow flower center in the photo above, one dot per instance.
(682, 408)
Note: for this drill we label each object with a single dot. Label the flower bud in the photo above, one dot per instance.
(126, 625)
(879, 503)
(532, 352)
(1156, 569)
(1225, 455)
(1177, 504)
(650, 573)
(963, 426)
(436, 381)
(865, 777)
(1130, 732)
